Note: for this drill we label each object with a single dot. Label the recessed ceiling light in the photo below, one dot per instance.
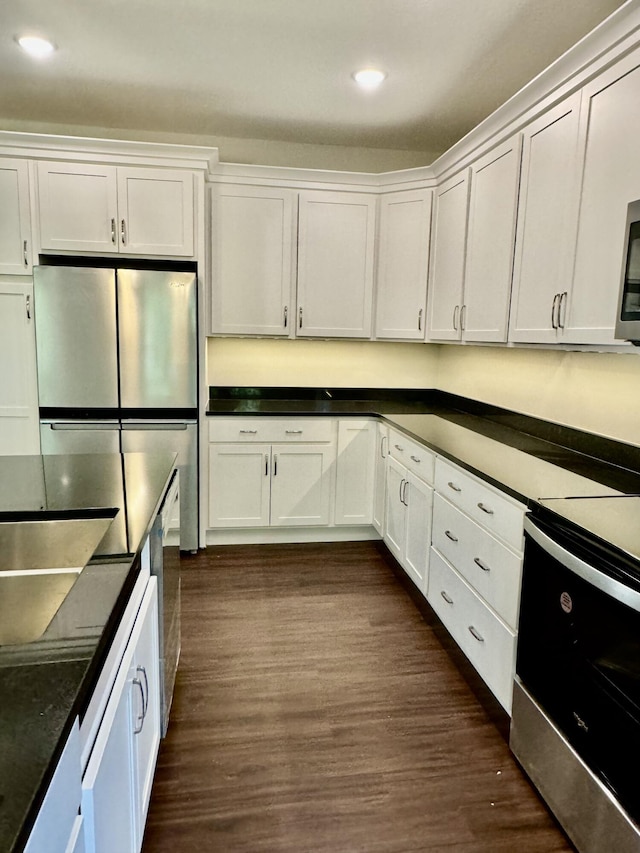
(36, 46)
(369, 78)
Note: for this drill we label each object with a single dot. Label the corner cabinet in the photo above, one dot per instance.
(85, 207)
(403, 261)
(117, 782)
(253, 260)
(336, 244)
(15, 221)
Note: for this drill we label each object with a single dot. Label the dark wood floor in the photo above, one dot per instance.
(316, 710)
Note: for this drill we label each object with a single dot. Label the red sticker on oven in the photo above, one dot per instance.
(566, 603)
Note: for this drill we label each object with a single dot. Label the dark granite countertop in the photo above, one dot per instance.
(46, 684)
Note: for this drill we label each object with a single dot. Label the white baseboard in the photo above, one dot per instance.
(266, 535)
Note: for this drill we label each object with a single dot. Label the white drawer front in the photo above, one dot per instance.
(501, 515)
(485, 640)
(491, 568)
(414, 456)
(268, 429)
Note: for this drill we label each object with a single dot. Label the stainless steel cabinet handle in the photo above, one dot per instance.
(404, 493)
(416, 459)
(123, 232)
(475, 634)
(382, 441)
(113, 231)
(248, 431)
(138, 728)
(420, 320)
(446, 597)
(484, 508)
(402, 482)
(454, 487)
(455, 317)
(275, 464)
(482, 565)
(562, 314)
(300, 318)
(28, 307)
(293, 432)
(397, 447)
(286, 316)
(463, 317)
(145, 692)
(266, 464)
(451, 536)
(554, 325)
(25, 256)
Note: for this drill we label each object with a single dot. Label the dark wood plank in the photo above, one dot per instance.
(317, 710)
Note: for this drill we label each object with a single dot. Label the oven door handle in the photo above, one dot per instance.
(610, 586)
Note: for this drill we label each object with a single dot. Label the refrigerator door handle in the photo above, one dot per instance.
(156, 426)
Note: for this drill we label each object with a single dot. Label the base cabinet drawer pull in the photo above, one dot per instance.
(484, 508)
(450, 535)
(248, 431)
(474, 633)
(293, 431)
(397, 447)
(482, 565)
(447, 598)
(454, 487)
(415, 459)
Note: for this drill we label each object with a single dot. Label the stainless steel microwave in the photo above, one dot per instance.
(628, 318)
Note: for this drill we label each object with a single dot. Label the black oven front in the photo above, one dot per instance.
(579, 662)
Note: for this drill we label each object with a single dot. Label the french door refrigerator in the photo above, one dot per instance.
(118, 367)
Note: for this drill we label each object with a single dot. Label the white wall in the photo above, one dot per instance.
(255, 151)
(337, 364)
(596, 392)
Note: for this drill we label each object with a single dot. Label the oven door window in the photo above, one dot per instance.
(579, 656)
(631, 292)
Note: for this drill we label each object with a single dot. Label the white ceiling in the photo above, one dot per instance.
(280, 69)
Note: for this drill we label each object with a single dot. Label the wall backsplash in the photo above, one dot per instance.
(596, 392)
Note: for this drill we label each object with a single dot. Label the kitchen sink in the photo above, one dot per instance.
(41, 558)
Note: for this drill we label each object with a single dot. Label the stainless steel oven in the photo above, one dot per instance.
(576, 710)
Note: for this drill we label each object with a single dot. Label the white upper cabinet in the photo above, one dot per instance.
(493, 206)
(547, 215)
(138, 211)
(15, 219)
(448, 245)
(253, 260)
(336, 244)
(610, 125)
(403, 259)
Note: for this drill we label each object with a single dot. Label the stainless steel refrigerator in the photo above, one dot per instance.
(118, 367)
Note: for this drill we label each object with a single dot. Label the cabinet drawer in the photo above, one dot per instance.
(485, 640)
(267, 429)
(501, 515)
(491, 568)
(414, 456)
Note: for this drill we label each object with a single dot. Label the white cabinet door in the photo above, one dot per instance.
(380, 476)
(15, 221)
(547, 216)
(418, 498)
(239, 485)
(355, 472)
(447, 258)
(78, 207)
(611, 179)
(301, 484)
(146, 703)
(19, 428)
(403, 260)
(493, 205)
(155, 209)
(336, 235)
(394, 519)
(252, 260)
(108, 787)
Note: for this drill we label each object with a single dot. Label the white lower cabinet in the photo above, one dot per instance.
(355, 472)
(117, 782)
(488, 643)
(380, 476)
(408, 520)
